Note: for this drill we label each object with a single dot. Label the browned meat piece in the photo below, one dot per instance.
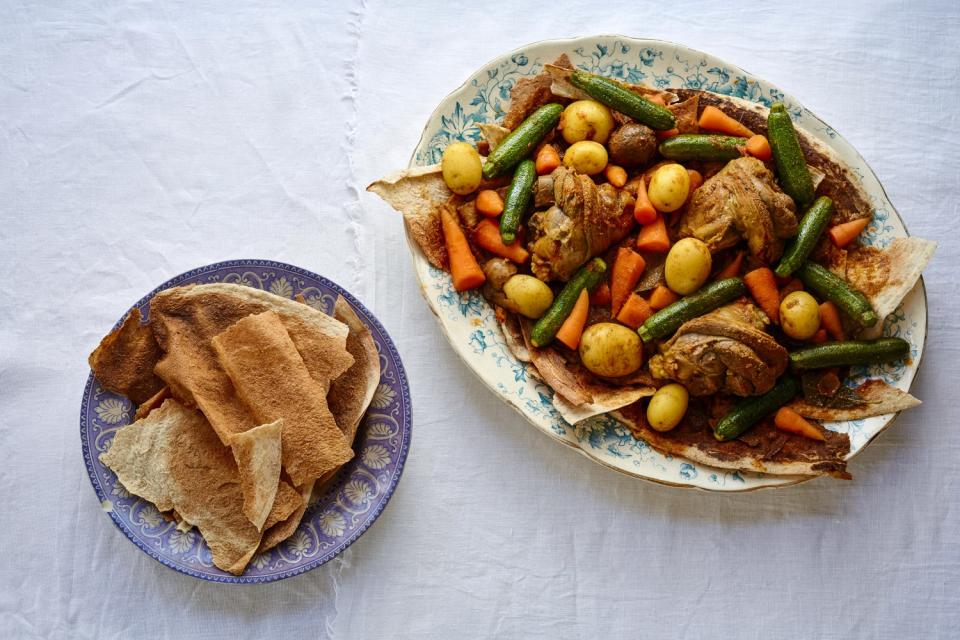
(632, 145)
(725, 350)
(498, 271)
(584, 221)
(741, 201)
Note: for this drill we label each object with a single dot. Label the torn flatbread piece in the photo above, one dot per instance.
(530, 93)
(280, 531)
(123, 361)
(257, 453)
(174, 459)
(763, 448)
(886, 276)
(872, 398)
(285, 504)
(351, 393)
(185, 320)
(583, 394)
(418, 194)
(151, 403)
(256, 352)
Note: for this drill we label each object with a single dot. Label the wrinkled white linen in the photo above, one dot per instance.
(139, 140)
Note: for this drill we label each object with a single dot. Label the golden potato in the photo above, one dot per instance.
(799, 315)
(586, 120)
(669, 187)
(461, 168)
(667, 407)
(688, 266)
(586, 157)
(532, 296)
(611, 350)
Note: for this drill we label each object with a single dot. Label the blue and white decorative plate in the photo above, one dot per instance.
(360, 493)
(468, 320)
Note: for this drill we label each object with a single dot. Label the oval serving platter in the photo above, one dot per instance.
(468, 321)
(339, 517)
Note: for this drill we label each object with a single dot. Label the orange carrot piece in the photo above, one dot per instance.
(487, 236)
(653, 237)
(763, 288)
(714, 119)
(656, 98)
(601, 295)
(572, 328)
(696, 180)
(643, 210)
(634, 312)
(830, 320)
(627, 269)
(548, 159)
(820, 336)
(617, 176)
(489, 203)
(759, 147)
(464, 268)
(792, 422)
(662, 297)
(669, 133)
(794, 284)
(843, 234)
(732, 270)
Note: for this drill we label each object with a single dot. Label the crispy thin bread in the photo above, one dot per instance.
(257, 453)
(351, 393)
(151, 403)
(878, 398)
(763, 448)
(256, 352)
(348, 399)
(285, 504)
(185, 319)
(530, 93)
(123, 361)
(280, 531)
(492, 133)
(418, 194)
(174, 459)
(886, 276)
(578, 394)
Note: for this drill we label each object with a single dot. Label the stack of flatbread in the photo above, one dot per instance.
(248, 404)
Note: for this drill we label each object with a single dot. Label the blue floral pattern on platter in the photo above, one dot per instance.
(472, 329)
(360, 493)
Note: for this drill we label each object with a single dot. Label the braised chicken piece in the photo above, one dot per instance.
(725, 350)
(741, 201)
(584, 221)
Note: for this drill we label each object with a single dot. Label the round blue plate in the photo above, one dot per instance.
(354, 501)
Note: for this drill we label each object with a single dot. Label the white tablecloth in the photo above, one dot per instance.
(140, 139)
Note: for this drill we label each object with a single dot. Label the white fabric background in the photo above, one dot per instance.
(141, 139)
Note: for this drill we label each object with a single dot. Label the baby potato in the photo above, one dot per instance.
(586, 120)
(669, 186)
(586, 157)
(667, 407)
(611, 350)
(799, 315)
(687, 266)
(461, 168)
(532, 296)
